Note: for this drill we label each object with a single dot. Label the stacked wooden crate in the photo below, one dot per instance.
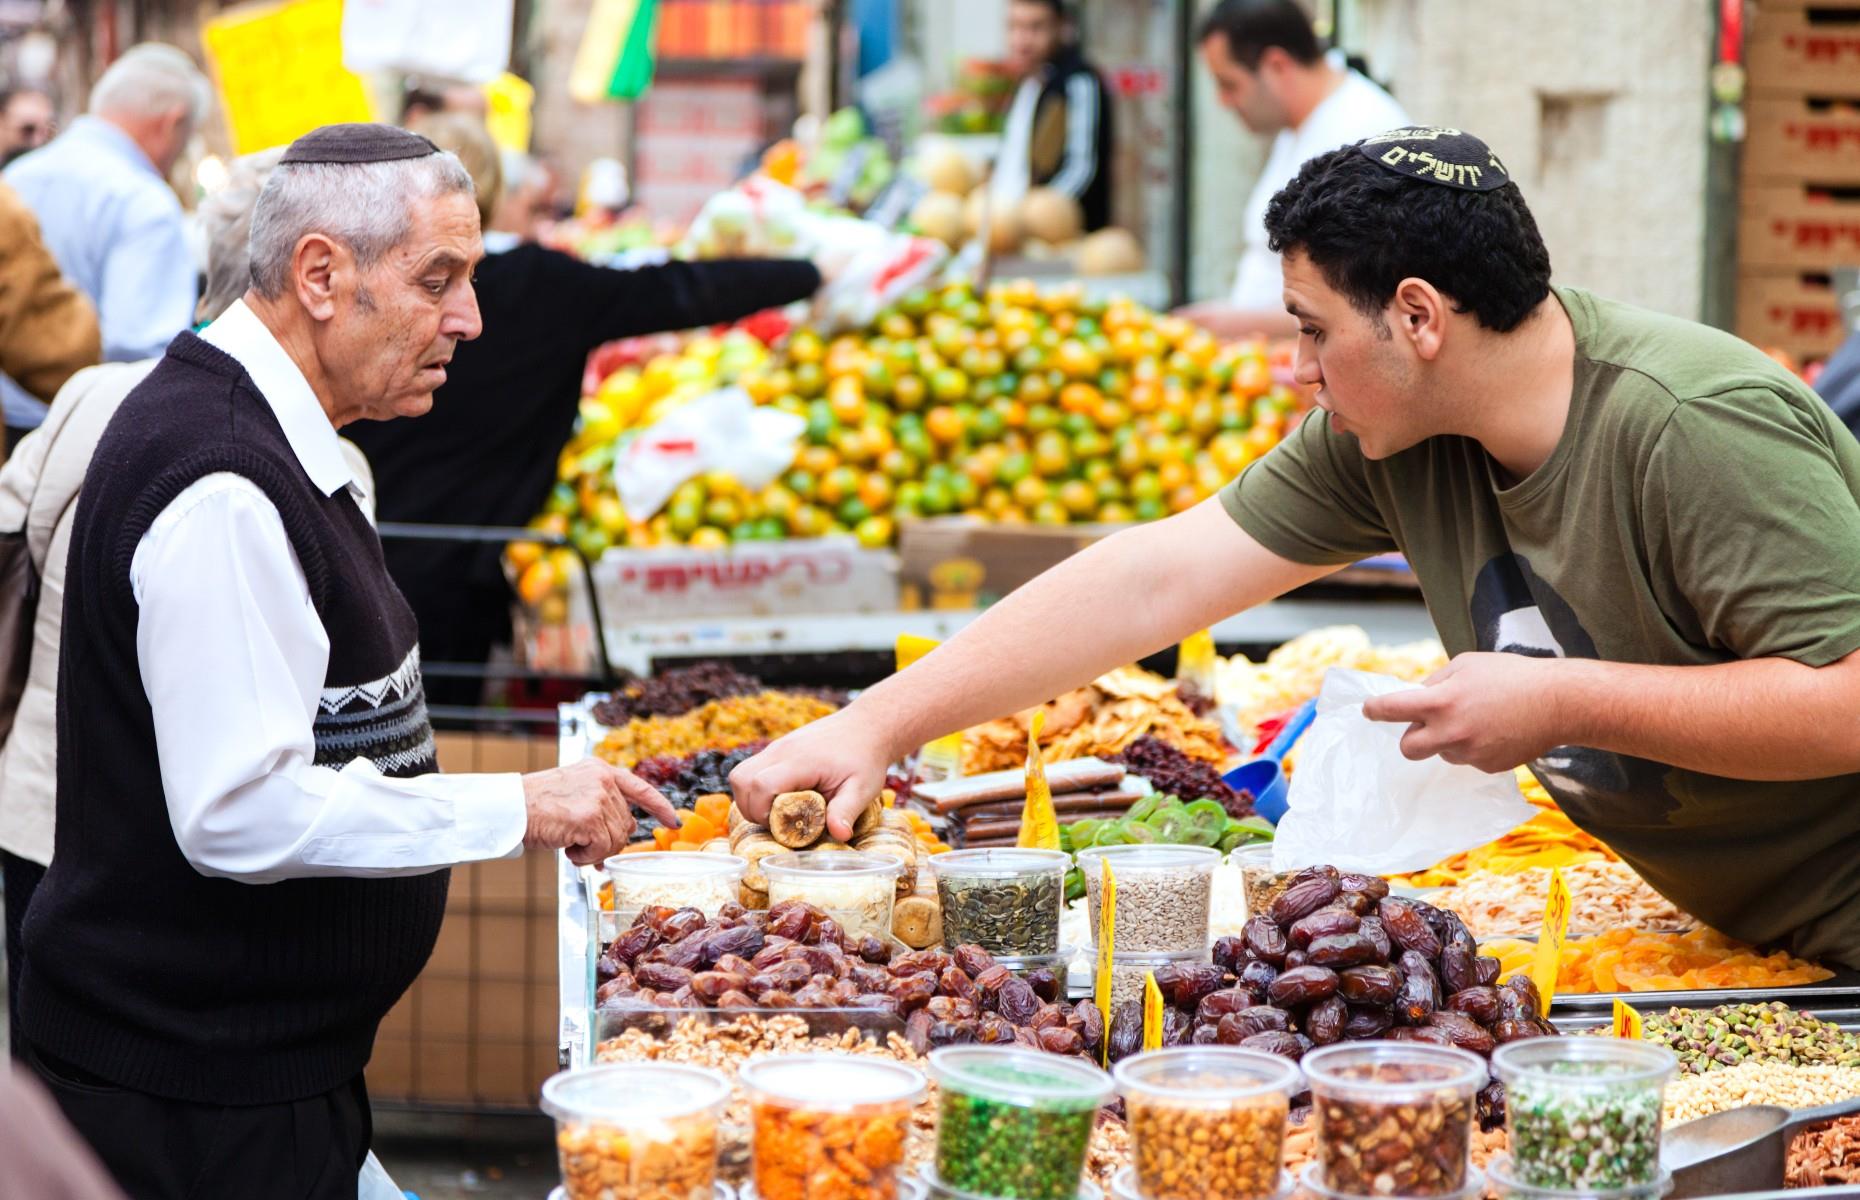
(1800, 203)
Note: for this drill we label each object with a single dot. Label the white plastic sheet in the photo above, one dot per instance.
(724, 431)
(467, 40)
(1357, 803)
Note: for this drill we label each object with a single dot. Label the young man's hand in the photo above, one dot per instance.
(1490, 711)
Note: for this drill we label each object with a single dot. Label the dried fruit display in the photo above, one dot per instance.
(1176, 774)
(1694, 1096)
(830, 1127)
(671, 693)
(719, 725)
(1729, 1035)
(1099, 720)
(1603, 895)
(1549, 839)
(1293, 673)
(1825, 1155)
(683, 780)
(1623, 960)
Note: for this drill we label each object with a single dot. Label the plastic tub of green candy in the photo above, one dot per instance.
(1502, 1180)
(1584, 1113)
(1014, 1124)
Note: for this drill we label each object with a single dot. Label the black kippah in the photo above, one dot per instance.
(1437, 155)
(357, 143)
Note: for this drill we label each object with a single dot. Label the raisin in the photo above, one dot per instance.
(1342, 950)
(1302, 985)
(1017, 1001)
(1285, 1045)
(1408, 928)
(1230, 953)
(1466, 1033)
(1373, 985)
(1479, 1003)
(1044, 983)
(1369, 885)
(1366, 1023)
(1302, 898)
(1256, 979)
(1264, 941)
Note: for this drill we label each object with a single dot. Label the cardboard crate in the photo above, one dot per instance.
(1794, 311)
(1793, 140)
(1798, 53)
(1784, 226)
(960, 562)
(750, 579)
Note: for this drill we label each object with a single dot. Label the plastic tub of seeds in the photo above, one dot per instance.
(675, 879)
(1024, 965)
(1501, 1175)
(1584, 1113)
(1128, 969)
(1164, 894)
(854, 888)
(1261, 883)
(1180, 1102)
(719, 1191)
(1014, 1124)
(828, 1125)
(1124, 1186)
(1006, 901)
(628, 1131)
(1311, 1180)
(1393, 1118)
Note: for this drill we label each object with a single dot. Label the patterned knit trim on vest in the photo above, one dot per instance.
(383, 721)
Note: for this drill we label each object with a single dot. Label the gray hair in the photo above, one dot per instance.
(152, 79)
(226, 224)
(368, 207)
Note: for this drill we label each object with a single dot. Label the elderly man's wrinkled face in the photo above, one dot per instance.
(394, 332)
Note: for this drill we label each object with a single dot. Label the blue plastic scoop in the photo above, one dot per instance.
(1265, 775)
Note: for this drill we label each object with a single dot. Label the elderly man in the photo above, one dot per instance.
(250, 838)
(101, 195)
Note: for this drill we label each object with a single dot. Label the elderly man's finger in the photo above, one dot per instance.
(1409, 704)
(640, 794)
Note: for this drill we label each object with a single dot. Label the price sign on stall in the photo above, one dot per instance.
(1039, 824)
(1550, 940)
(1626, 1021)
(1152, 1013)
(1107, 916)
(280, 73)
(1194, 662)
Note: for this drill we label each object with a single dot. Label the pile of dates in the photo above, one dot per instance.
(1336, 958)
(794, 956)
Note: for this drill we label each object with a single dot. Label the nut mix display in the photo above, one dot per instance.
(637, 1131)
(1584, 1113)
(1207, 1121)
(829, 1127)
(1393, 1119)
(1733, 1034)
(1012, 1124)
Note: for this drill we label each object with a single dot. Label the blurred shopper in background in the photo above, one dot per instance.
(1272, 72)
(1839, 382)
(486, 453)
(101, 194)
(26, 121)
(1058, 132)
(528, 204)
(48, 330)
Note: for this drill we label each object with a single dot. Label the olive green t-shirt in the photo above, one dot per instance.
(1701, 506)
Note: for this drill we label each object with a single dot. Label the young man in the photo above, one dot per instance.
(1639, 537)
(1058, 132)
(1272, 73)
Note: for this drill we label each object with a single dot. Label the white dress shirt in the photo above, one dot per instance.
(1355, 110)
(233, 658)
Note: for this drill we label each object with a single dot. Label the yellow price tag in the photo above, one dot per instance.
(1550, 939)
(280, 73)
(1152, 1012)
(1039, 824)
(942, 757)
(1107, 918)
(1194, 661)
(1627, 1021)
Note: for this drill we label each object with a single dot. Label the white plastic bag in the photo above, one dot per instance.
(724, 431)
(461, 39)
(1359, 805)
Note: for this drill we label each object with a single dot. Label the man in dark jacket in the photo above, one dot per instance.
(1058, 131)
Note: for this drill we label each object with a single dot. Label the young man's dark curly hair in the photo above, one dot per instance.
(1367, 229)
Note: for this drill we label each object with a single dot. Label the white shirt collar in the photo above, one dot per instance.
(240, 333)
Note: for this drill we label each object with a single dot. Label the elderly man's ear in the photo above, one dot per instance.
(316, 265)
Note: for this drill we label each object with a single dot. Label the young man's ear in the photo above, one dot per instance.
(1420, 313)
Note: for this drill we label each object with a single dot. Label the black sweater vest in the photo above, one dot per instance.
(139, 969)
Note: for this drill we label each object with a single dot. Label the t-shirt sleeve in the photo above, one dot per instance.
(1309, 499)
(1749, 501)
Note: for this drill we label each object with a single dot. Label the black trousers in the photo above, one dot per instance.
(160, 1149)
(22, 877)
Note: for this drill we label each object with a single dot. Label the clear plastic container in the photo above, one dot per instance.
(936, 1189)
(1311, 1180)
(719, 1191)
(1501, 1175)
(634, 1131)
(1260, 882)
(1124, 1186)
(1129, 968)
(1014, 1123)
(829, 1124)
(1393, 1118)
(675, 879)
(854, 888)
(909, 1187)
(1006, 901)
(1164, 894)
(1181, 1102)
(1584, 1113)
(1024, 965)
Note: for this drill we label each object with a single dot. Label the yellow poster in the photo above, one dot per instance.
(508, 100)
(280, 73)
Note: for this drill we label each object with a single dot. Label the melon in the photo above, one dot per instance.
(1051, 216)
(939, 215)
(1111, 251)
(945, 169)
(1004, 231)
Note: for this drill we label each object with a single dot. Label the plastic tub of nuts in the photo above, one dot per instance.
(1584, 1113)
(719, 1191)
(1124, 1186)
(1393, 1118)
(1005, 901)
(855, 889)
(629, 1131)
(675, 879)
(1129, 968)
(1180, 1103)
(1311, 1180)
(1014, 1123)
(1163, 894)
(1501, 1175)
(828, 1125)
(1260, 882)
